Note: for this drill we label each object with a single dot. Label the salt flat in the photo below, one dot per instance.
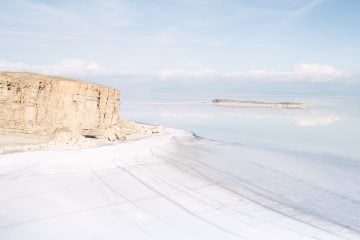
(167, 187)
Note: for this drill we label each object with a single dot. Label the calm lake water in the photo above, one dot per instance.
(330, 126)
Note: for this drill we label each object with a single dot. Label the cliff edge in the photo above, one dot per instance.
(60, 108)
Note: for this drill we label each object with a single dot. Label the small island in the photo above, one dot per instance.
(239, 103)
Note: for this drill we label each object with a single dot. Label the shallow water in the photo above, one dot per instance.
(329, 126)
(298, 162)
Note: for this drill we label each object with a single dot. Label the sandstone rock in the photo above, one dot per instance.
(47, 105)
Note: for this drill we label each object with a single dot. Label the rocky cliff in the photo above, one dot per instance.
(48, 106)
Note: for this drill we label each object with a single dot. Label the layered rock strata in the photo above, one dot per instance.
(53, 106)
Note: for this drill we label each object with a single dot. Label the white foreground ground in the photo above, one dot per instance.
(155, 188)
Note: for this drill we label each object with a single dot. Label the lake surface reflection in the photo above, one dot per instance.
(329, 126)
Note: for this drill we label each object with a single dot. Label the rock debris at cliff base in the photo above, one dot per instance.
(61, 110)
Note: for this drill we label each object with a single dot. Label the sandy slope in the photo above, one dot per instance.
(154, 188)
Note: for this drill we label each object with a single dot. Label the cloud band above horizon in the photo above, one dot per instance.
(79, 68)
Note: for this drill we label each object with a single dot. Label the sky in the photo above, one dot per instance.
(316, 40)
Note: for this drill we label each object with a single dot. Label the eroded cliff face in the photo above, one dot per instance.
(46, 105)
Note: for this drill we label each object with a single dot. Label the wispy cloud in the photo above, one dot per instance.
(301, 72)
(115, 13)
(148, 36)
(78, 67)
(51, 38)
(303, 10)
(66, 67)
(38, 13)
(65, 18)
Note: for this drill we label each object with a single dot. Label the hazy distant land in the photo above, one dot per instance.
(239, 103)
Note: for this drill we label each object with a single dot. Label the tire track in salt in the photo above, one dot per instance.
(180, 206)
(217, 171)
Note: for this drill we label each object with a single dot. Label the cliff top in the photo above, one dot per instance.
(40, 77)
(37, 109)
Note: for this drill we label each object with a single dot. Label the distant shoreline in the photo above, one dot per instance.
(239, 103)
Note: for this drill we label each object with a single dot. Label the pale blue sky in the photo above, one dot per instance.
(186, 37)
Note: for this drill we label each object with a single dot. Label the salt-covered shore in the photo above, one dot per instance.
(69, 140)
(168, 186)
